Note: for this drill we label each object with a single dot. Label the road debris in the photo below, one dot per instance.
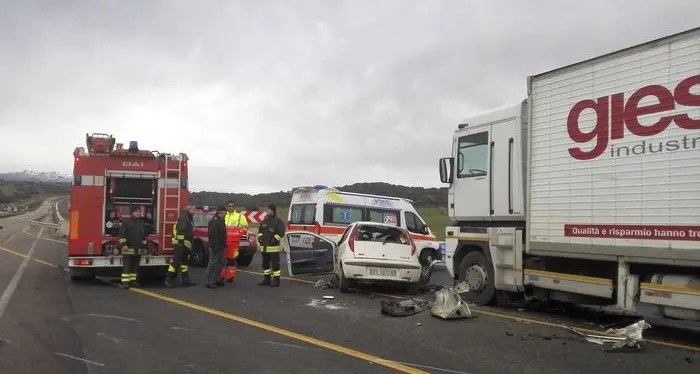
(449, 305)
(323, 303)
(629, 337)
(403, 308)
(325, 283)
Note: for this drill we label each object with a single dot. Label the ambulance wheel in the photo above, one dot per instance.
(244, 260)
(477, 271)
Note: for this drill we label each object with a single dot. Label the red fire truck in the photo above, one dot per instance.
(108, 181)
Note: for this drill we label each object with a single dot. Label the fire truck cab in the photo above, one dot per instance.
(108, 181)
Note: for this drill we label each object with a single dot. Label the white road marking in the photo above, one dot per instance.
(113, 339)
(79, 359)
(430, 367)
(285, 344)
(12, 286)
(111, 316)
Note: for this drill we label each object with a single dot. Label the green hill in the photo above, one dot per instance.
(422, 197)
(13, 191)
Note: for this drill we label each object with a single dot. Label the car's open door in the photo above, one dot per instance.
(308, 253)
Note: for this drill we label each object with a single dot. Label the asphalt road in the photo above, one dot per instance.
(51, 325)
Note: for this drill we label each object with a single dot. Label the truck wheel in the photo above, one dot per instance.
(477, 271)
(244, 260)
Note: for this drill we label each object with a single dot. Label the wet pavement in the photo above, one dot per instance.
(52, 325)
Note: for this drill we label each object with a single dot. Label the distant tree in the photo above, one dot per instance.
(422, 197)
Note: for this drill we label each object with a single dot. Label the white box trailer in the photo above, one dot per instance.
(589, 190)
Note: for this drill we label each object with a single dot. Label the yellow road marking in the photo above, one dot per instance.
(280, 331)
(478, 311)
(7, 250)
(43, 238)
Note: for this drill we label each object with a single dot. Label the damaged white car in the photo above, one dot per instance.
(367, 252)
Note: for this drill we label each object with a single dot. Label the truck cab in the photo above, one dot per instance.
(486, 170)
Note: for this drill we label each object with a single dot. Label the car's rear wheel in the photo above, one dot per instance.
(426, 258)
(413, 289)
(343, 282)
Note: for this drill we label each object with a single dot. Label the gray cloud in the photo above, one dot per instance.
(307, 91)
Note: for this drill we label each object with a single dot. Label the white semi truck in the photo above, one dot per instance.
(588, 191)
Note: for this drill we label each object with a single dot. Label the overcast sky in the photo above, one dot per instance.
(268, 95)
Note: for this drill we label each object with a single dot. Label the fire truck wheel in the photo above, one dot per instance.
(80, 276)
(477, 271)
(244, 260)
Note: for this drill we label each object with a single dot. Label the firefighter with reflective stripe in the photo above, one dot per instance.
(270, 236)
(132, 242)
(183, 233)
(233, 217)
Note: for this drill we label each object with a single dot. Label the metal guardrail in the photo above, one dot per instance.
(59, 217)
(47, 225)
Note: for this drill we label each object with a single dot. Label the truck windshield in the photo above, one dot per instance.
(202, 219)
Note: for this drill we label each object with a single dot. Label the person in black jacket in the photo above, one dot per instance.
(217, 248)
(132, 240)
(183, 233)
(270, 236)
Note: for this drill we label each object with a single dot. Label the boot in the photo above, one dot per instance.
(275, 281)
(211, 285)
(125, 285)
(265, 281)
(169, 280)
(220, 283)
(185, 280)
(135, 284)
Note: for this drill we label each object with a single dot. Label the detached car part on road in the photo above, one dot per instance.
(367, 252)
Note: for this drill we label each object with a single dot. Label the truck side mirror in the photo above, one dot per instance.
(446, 169)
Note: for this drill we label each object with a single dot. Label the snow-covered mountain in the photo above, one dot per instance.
(36, 176)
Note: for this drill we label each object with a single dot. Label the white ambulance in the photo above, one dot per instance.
(327, 211)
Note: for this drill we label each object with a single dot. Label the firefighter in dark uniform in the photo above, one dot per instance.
(270, 236)
(132, 240)
(183, 234)
(217, 248)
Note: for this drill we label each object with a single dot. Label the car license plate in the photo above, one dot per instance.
(382, 272)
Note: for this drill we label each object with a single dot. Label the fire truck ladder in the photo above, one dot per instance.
(167, 206)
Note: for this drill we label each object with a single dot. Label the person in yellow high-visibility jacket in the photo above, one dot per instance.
(183, 234)
(233, 217)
